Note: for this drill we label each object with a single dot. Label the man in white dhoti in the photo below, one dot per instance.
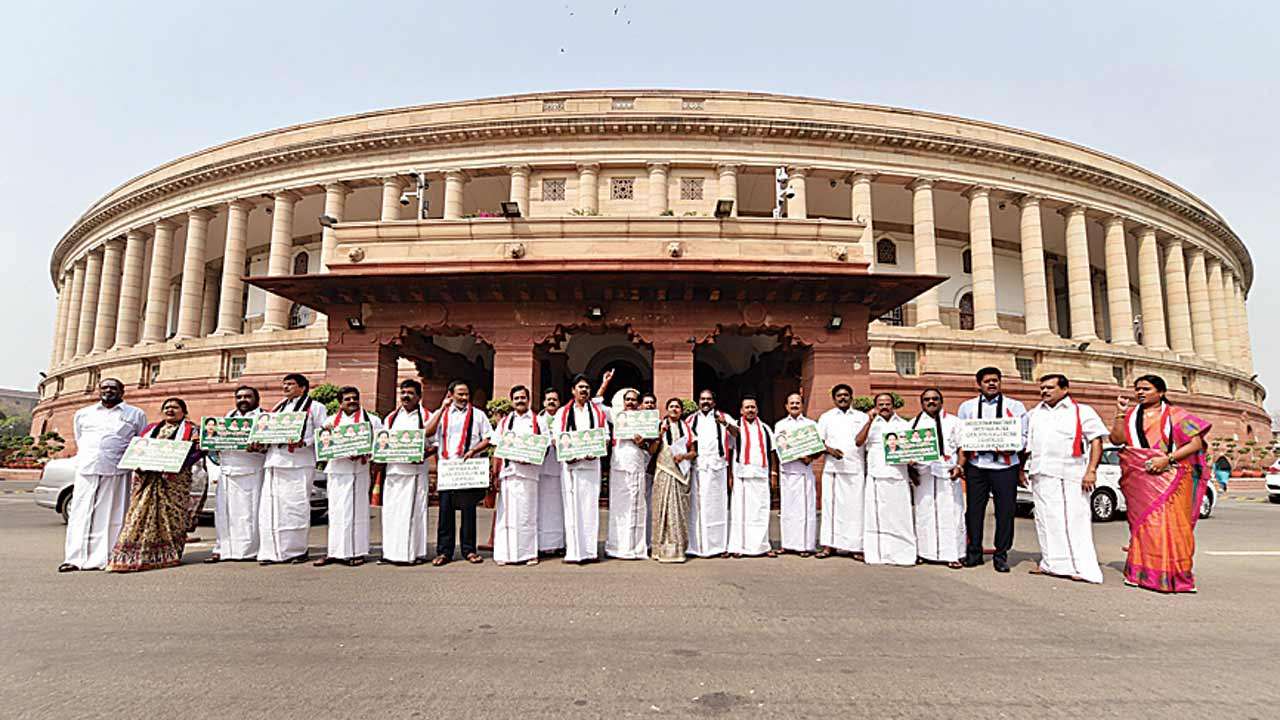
(235, 513)
(798, 515)
(990, 474)
(100, 494)
(939, 498)
(628, 503)
(1064, 446)
(515, 532)
(284, 513)
(755, 472)
(889, 535)
(713, 438)
(462, 431)
(843, 476)
(550, 502)
(348, 488)
(404, 489)
(580, 479)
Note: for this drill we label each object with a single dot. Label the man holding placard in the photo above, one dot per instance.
(347, 470)
(522, 446)
(462, 433)
(634, 432)
(550, 501)
(582, 437)
(843, 476)
(755, 472)
(235, 514)
(889, 536)
(404, 493)
(798, 444)
(939, 499)
(284, 513)
(991, 435)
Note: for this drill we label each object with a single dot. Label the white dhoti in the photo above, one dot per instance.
(235, 515)
(550, 513)
(798, 512)
(284, 513)
(404, 518)
(628, 516)
(708, 512)
(889, 537)
(749, 516)
(515, 531)
(939, 503)
(580, 493)
(98, 505)
(1064, 526)
(348, 514)
(842, 510)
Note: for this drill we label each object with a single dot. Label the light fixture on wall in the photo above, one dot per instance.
(595, 312)
(1082, 346)
(510, 209)
(835, 323)
(328, 221)
(724, 208)
(355, 322)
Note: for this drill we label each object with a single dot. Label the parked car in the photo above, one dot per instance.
(1273, 483)
(1107, 502)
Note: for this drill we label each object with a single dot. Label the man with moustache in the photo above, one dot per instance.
(404, 489)
(939, 498)
(755, 472)
(798, 516)
(550, 502)
(713, 434)
(990, 474)
(284, 512)
(462, 431)
(889, 534)
(843, 476)
(235, 514)
(348, 487)
(515, 533)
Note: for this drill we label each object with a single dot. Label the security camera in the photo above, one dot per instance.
(404, 198)
(788, 193)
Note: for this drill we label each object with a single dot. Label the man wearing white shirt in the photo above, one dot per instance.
(939, 499)
(580, 479)
(798, 515)
(348, 488)
(626, 538)
(550, 502)
(404, 491)
(755, 472)
(1064, 446)
(843, 476)
(515, 532)
(889, 537)
(284, 513)
(713, 438)
(235, 514)
(462, 432)
(100, 494)
(992, 474)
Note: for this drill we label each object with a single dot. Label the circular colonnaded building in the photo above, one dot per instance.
(523, 239)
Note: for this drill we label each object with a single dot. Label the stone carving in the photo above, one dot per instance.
(355, 254)
(675, 249)
(515, 250)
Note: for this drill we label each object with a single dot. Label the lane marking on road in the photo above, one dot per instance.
(1244, 553)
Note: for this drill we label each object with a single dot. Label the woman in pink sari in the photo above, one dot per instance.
(1164, 476)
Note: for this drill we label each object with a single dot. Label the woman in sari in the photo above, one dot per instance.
(670, 503)
(155, 528)
(1163, 478)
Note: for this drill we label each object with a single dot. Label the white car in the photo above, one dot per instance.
(1273, 483)
(1107, 501)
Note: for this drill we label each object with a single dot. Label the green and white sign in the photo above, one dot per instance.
(631, 423)
(581, 444)
(278, 428)
(523, 447)
(344, 441)
(399, 446)
(904, 444)
(225, 433)
(799, 442)
(155, 454)
(458, 474)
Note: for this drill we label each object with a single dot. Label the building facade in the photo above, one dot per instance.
(523, 239)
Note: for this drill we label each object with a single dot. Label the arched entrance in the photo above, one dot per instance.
(737, 362)
(593, 352)
(440, 357)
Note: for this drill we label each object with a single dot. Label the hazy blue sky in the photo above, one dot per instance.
(95, 93)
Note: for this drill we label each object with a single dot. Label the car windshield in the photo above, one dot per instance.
(1110, 457)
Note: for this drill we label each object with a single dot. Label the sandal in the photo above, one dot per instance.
(440, 560)
(213, 559)
(859, 557)
(955, 565)
(355, 562)
(771, 554)
(822, 554)
(532, 562)
(475, 559)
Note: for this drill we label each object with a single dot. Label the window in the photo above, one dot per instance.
(1186, 382)
(893, 317)
(553, 190)
(1117, 372)
(150, 372)
(886, 252)
(691, 188)
(905, 361)
(235, 368)
(624, 103)
(966, 262)
(691, 104)
(1026, 369)
(552, 105)
(622, 188)
(94, 378)
(300, 316)
(300, 263)
(966, 311)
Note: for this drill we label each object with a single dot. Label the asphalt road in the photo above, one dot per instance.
(789, 637)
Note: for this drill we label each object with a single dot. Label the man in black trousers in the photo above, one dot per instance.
(462, 432)
(990, 473)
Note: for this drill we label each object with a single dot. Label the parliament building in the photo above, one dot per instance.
(744, 242)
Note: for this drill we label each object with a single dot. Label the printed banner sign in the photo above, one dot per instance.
(525, 448)
(278, 428)
(798, 442)
(344, 441)
(991, 435)
(902, 444)
(457, 474)
(630, 423)
(580, 444)
(146, 453)
(225, 433)
(399, 446)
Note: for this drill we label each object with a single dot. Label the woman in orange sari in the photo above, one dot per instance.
(1164, 477)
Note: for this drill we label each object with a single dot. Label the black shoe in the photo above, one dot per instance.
(972, 562)
(299, 559)
(67, 567)
(1000, 564)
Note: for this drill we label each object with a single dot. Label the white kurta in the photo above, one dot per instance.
(889, 536)
(750, 500)
(709, 486)
(100, 495)
(515, 531)
(798, 513)
(348, 492)
(235, 510)
(939, 500)
(628, 504)
(843, 481)
(580, 488)
(404, 498)
(284, 512)
(550, 502)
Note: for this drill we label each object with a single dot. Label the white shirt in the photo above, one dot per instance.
(950, 441)
(976, 407)
(788, 424)
(522, 425)
(103, 434)
(349, 466)
(1050, 439)
(839, 429)
(708, 436)
(453, 447)
(401, 419)
(876, 466)
(551, 464)
(759, 438)
(241, 462)
(302, 456)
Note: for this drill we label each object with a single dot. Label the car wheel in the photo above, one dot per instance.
(1274, 498)
(1206, 506)
(64, 505)
(1025, 510)
(1103, 505)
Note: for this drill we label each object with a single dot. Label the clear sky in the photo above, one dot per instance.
(95, 93)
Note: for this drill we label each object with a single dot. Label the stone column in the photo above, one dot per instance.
(392, 186)
(728, 187)
(513, 363)
(104, 331)
(1246, 345)
(89, 302)
(335, 205)
(1179, 307)
(280, 258)
(672, 366)
(926, 249)
(1119, 306)
(155, 324)
(135, 248)
(983, 259)
(589, 187)
(1231, 299)
(1221, 311)
(1051, 288)
(356, 359)
(231, 297)
(1079, 280)
(454, 180)
(1035, 300)
(798, 206)
(1153, 334)
(60, 320)
(658, 202)
(1202, 329)
(74, 302)
(520, 187)
(209, 304)
(192, 294)
(860, 203)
